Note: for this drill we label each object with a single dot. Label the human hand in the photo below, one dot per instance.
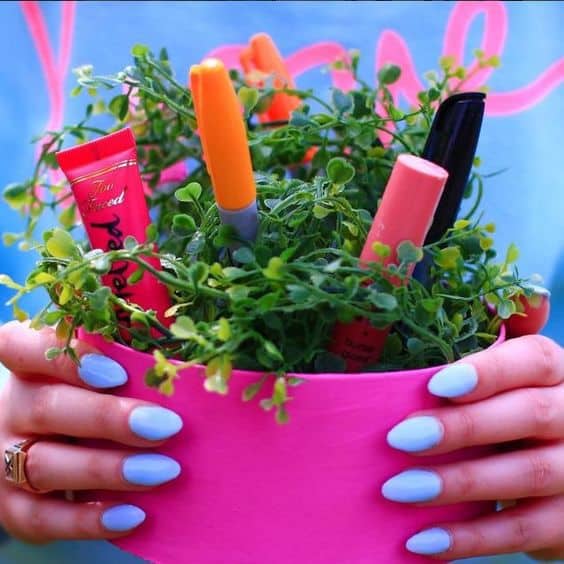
(512, 394)
(50, 401)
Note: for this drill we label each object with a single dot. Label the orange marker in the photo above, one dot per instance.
(225, 147)
(262, 57)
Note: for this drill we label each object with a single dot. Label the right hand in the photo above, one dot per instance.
(52, 400)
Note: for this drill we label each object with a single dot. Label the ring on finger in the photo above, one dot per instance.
(14, 465)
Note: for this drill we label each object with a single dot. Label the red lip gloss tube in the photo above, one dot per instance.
(405, 214)
(105, 180)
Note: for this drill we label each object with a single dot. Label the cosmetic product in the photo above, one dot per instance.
(260, 59)
(106, 184)
(452, 145)
(225, 147)
(533, 313)
(405, 214)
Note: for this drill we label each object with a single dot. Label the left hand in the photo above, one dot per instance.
(512, 392)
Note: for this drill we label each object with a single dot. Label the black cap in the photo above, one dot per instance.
(452, 144)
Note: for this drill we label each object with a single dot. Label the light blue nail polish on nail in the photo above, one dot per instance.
(416, 434)
(122, 518)
(150, 469)
(154, 423)
(413, 486)
(453, 381)
(100, 371)
(431, 541)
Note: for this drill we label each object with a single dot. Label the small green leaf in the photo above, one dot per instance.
(299, 119)
(15, 195)
(460, 224)
(340, 171)
(61, 245)
(224, 330)
(389, 74)
(252, 390)
(183, 327)
(280, 393)
(139, 50)
(506, 308)
(130, 243)
(415, 346)
(191, 192)
(248, 97)
(274, 269)
(53, 352)
(183, 225)
(320, 212)
(243, 255)
(512, 254)
(448, 258)
(384, 301)
(342, 101)
(381, 250)
(408, 253)
(119, 106)
(67, 218)
(5, 280)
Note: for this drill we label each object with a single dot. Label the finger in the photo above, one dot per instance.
(528, 527)
(524, 474)
(528, 361)
(39, 519)
(60, 409)
(520, 414)
(22, 350)
(53, 466)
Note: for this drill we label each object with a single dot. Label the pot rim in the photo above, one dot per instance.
(311, 377)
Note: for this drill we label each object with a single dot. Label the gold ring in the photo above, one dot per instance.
(14, 464)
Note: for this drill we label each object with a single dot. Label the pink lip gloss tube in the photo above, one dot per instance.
(105, 180)
(405, 214)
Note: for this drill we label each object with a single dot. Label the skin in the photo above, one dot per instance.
(519, 401)
(46, 399)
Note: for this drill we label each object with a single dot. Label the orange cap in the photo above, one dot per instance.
(262, 55)
(223, 135)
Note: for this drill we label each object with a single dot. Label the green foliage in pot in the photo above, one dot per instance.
(269, 306)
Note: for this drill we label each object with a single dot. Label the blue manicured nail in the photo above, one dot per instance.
(431, 541)
(413, 486)
(100, 371)
(122, 518)
(453, 381)
(150, 469)
(416, 434)
(154, 423)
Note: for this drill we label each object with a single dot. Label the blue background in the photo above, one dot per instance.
(526, 202)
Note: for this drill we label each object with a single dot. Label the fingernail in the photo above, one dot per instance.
(413, 486)
(122, 518)
(416, 434)
(453, 381)
(100, 371)
(154, 423)
(431, 541)
(150, 469)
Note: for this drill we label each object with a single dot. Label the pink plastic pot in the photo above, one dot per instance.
(255, 492)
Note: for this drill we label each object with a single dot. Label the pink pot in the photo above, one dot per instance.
(255, 492)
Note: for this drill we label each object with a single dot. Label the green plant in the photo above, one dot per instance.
(269, 306)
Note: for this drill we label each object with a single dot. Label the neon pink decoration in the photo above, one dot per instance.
(392, 48)
(54, 71)
(307, 492)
